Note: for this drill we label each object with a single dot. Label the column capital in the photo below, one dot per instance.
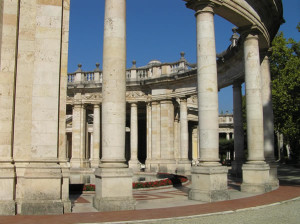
(166, 101)
(203, 5)
(133, 104)
(237, 84)
(78, 104)
(96, 105)
(183, 99)
(249, 32)
(155, 102)
(267, 52)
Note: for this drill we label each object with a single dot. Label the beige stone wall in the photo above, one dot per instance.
(8, 15)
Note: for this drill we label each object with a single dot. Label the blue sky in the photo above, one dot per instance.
(156, 29)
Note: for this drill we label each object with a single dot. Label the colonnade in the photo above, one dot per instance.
(209, 178)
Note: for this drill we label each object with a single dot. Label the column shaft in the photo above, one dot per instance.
(114, 84)
(184, 131)
(96, 137)
(238, 130)
(134, 163)
(149, 136)
(255, 135)
(78, 136)
(207, 87)
(155, 131)
(268, 119)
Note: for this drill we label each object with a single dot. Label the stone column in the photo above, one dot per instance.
(96, 138)
(195, 145)
(113, 173)
(238, 130)
(155, 137)
(268, 119)
(149, 134)
(209, 179)
(134, 162)
(184, 163)
(255, 171)
(167, 162)
(78, 136)
(177, 139)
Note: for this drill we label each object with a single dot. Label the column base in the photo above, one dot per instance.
(256, 178)
(42, 189)
(237, 168)
(209, 184)
(7, 208)
(273, 179)
(42, 207)
(95, 163)
(113, 189)
(163, 166)
(184, 167)
(7, 180)
(134, 165)
(65, 170)
(79, 163)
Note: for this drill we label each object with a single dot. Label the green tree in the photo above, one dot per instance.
(285, 71)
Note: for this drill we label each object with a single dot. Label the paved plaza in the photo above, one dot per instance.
(171, 205)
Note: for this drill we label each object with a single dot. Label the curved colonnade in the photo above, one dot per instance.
(45, 169)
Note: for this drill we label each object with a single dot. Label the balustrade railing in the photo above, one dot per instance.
(150, 71)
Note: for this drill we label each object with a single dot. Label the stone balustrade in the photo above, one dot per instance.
(154, 69)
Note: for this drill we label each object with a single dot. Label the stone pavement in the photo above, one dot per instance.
(170, 205)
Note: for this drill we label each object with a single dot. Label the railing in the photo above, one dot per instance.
(150, 71)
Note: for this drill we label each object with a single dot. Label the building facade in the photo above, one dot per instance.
(161, 103)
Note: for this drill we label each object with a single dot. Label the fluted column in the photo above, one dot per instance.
(209, 180)
(184, 163)
(96, 137)
(134, 163)
(113, 168)
(255, 171)
(238, 130)
(268, 119)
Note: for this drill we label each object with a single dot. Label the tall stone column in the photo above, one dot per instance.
(134, 162)
(255, 171)
(268, 119)
(195, 145)
(155, 137)
(113, 173)
(149, 138)
(167, 162)
(238, 130)
(209, 179)
(184, 162)
(96, 138)
(78, 136)
(177, 139)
